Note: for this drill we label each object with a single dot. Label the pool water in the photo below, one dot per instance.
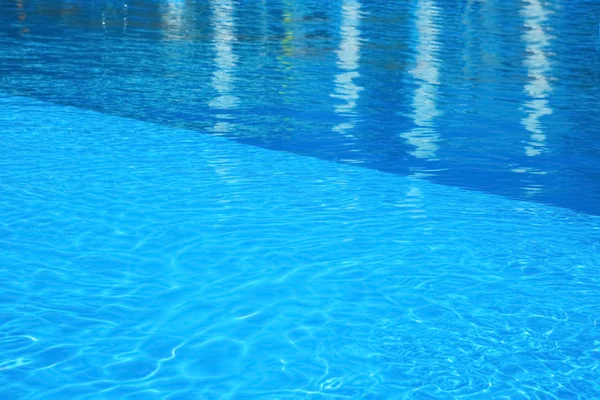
(299, 199)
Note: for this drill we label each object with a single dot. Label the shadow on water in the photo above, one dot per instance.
(470, 94)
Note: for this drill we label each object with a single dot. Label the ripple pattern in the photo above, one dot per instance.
(497, 96)
(146, 262)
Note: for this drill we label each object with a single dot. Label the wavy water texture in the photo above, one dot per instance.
(145, 262)
(498, 96)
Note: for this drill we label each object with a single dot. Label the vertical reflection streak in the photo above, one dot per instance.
(348, 57)
(467, 41)
(104, 20)
(287, 42)
(225, 61)
(125, 15)
(538, 68)
(22, 15)
(173, 19)
(426, 74)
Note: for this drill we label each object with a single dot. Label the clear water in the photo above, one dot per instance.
(285, 199)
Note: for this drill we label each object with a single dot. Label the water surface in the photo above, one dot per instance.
(299, 199)
(496, 96)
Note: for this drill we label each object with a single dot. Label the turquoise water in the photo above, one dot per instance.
(141, 261)
(175, 223)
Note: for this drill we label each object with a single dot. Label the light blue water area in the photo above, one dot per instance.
(140, 261)
(206, 199)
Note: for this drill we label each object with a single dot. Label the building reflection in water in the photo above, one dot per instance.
(538, 69)
(288, 37)
(22, 15)
(287, 47)
(537, 90)
(125, 16)
(113, 17)
(173, 19)
(348, 57)
(426, 76)
(223, 78)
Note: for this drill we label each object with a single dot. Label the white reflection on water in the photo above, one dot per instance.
(125, 15)
(223, 78)
(426, 75)
(538, 70)
(348, 57)
(173, 19)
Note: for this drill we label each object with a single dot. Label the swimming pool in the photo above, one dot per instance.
(288, 199)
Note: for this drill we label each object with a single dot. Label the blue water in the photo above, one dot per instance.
(299, 199)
